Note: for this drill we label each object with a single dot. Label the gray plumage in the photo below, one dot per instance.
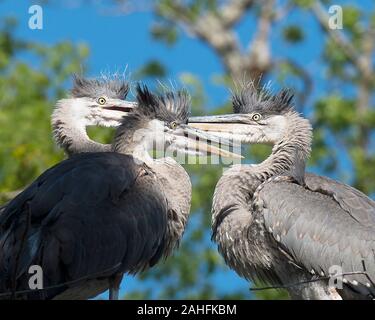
(96, 216)
(275, 224)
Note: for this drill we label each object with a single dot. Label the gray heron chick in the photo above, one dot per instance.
(92, 102)
(276, 224)
(95, 216)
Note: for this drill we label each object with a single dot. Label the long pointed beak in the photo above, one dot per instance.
(207, 149)
(123, 106)
(232, 123)
(196, 141)
(221, 118)
(202, 135)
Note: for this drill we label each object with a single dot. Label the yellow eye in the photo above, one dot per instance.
(173, 125)
(256, 117)
(102, 100)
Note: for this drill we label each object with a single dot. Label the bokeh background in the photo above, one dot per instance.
(201, 45)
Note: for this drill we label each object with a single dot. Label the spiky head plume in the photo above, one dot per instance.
(114, 88)
(171, 106)
(249, 99)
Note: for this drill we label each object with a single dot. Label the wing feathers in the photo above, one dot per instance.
(317, 232)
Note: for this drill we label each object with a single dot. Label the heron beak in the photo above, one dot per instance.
(205, 136)
(229, 126)
(114, 111)
(196, 141)
(123, 106)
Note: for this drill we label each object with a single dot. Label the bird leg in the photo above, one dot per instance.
(114, 286)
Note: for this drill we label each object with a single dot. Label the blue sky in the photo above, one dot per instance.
(117, 41)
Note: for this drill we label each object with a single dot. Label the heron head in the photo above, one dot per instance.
(160, 122)
(259, 117)
(96, 102)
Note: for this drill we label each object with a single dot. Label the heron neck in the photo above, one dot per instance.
(177, 188)
(70, 133)
(238, 184)
(132, 141)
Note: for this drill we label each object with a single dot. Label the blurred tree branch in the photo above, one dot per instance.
(362, 62)
(360, 58)
(260, 56)
(215, 28)
(304, 76)
(357, 43)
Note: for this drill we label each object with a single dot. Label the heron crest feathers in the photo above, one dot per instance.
(171, 106)
(115, 88)
(249, 99)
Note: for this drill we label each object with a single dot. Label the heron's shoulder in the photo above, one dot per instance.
(316, 182)
(82, 171)
(95, 163)
(335, 201)
(353, 201)
(171, 167)
(108, 157)
(284, 189)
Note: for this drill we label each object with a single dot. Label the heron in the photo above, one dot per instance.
(98, 215)
(273, 222)
(92, 102)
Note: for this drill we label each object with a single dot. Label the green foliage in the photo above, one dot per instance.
(28, 94)
(152, 68)
(191, 9)
(165, 33)
(351, 16)
(303, 3)
(293, 34)
(335, 59)
(345, 118)
(336, 111)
